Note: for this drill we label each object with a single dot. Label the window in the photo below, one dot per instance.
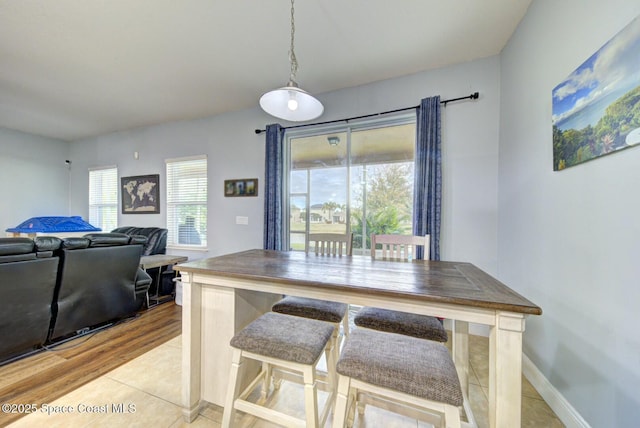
(103, 198)
(187, 202)
(356, 178)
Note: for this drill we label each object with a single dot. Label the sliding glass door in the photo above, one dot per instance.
(354, 179)
(318, 189)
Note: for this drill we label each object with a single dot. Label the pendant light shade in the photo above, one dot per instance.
(290, 102)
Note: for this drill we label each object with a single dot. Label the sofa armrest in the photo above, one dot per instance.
(143, 282)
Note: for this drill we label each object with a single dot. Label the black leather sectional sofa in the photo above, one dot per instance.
(156, 238)
(162, 277)
(28, 272)
(52, 288)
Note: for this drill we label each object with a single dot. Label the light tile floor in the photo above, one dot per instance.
(146, 393)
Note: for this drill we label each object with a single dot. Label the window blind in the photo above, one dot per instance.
(187, 202)
(103, 198)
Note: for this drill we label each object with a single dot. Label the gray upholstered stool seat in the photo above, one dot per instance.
(418, 367)
(404, 369)
(292, 343)
(288, 338)
(311, 308)
(323, 310)
(420, 326)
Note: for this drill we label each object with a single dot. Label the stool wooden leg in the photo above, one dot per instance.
(342, 402)
(310, 397)
(336, 356)
(266, 382)
(277, 380)
(461, 353)
(331, 357)
(360, 404)
(345, 324)
(233, 389)
(452, 416)
(351, 413)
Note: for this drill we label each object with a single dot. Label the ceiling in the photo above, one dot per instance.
(72, 69)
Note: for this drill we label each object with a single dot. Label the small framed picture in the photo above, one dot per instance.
(241, 187)
(140, 194)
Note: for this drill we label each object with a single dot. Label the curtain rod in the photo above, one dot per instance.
(473, 96)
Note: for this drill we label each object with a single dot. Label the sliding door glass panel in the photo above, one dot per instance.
(319, 172)
(297, 222)
(381, 182)
(356, 180)
(328, 197)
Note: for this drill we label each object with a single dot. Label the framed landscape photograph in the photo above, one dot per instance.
(596, 110)
(241, 187)
(140, 194)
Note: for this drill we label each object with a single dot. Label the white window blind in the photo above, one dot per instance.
(103, 198)
(187, 202)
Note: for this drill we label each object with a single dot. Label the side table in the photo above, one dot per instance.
(158, 261)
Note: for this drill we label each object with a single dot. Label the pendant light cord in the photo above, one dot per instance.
(292, 54)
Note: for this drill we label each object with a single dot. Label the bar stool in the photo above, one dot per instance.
(322, 244)
(286, 341)
(322, 310)
(420, 326)
(400, 247)
(409, 372)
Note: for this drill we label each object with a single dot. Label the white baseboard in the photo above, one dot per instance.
(562, 408)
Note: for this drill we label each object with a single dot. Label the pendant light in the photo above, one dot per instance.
(290, 102)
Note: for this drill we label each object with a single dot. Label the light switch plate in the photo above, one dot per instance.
(242, 219)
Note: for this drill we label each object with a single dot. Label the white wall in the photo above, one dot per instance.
(566, 240)
(570, 240)
(470, 147)
(233, 151)
(34, 179)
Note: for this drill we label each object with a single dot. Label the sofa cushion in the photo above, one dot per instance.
(138, 239)
(74, 243)
(156, 238)
(107, 239)
(47, 243)
(15, 246)
(26, 295)
(96, 286)
(17, 257)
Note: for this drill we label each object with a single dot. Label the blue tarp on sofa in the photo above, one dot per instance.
(54, 224)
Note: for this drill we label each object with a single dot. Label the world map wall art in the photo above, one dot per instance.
(140, 194)
(596, 110)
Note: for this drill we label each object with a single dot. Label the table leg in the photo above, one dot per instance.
(191, 347)
(156, 295)
(460, 347)
(505, 370)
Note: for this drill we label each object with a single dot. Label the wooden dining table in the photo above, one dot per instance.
(223, 294)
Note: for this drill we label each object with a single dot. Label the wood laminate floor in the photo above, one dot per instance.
(48, 375)
(130, 376)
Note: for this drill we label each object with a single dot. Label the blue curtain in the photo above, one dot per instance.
(273, 169)
(428, 175)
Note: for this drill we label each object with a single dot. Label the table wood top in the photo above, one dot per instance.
(157, 260)
(455, 283)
